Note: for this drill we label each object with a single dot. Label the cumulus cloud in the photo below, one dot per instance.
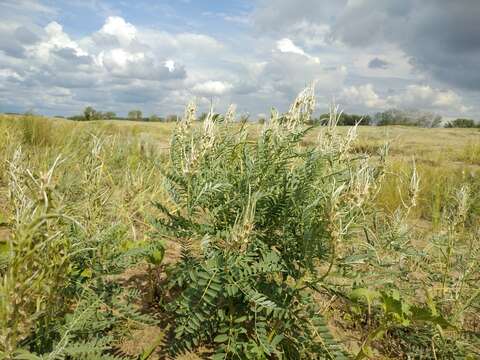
(412, 97)
(363, 95)
(212, 88)
(56, 39)
(116, 27)
(424, 96)
(286, 45)
(147, 67)
(84, 68)
(431, 41)
(439, 36)
(286, 73)
(371, 55)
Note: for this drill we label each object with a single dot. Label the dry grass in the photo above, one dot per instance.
(444, 157)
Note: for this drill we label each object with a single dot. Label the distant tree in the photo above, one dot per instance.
(408, 118)
(261, 120)
(154, 118)
(437, 122)
(171, 118)
(352, 119)
(90, 113)
(391, 117)
(76, 118)
(322, 119)
(426, 119)
(109, 115)
(344, 119)
(366, 120)
(461, 123)
(135, 115)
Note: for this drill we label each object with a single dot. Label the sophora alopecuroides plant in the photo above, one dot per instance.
(269, 215)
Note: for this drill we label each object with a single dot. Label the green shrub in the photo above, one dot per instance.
(269, 215)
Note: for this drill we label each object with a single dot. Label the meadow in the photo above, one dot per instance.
(128, 240)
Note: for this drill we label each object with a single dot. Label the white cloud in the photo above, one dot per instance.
(286, 45)
(363, 95)
(160, 67)
(119, 58)
(170, 65)
(412, 97)
(107, 68)
(56, 39)
(117, 27)
(212, 88)
(138, 65)
(424, 96)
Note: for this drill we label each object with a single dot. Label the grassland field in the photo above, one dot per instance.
(108, 177)
(444, 156)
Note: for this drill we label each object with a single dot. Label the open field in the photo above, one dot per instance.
(105, 247)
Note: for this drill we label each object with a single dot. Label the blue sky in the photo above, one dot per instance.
(57, 57)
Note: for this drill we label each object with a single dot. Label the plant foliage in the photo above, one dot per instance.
(269, 215)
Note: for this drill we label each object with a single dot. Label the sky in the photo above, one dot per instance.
(57, 57)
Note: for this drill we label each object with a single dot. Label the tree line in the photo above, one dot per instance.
(90, 114)
(401, 117)
(385, 118)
